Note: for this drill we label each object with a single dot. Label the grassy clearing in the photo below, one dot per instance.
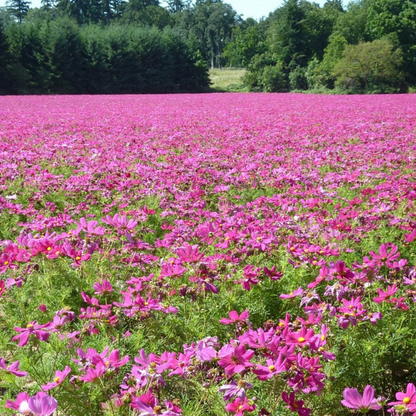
(230, 80)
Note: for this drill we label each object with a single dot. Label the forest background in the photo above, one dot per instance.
(140, 46)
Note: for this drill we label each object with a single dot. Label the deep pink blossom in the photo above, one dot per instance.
(58, 379)
(13, 368)
(363, 403)
(235, 317)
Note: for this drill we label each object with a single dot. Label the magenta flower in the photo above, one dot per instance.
(406, 400)
(292, 294)
(295, 405)
(58, 379)
(90, 227)
(39, 405)
(385, 296)
(301, 337)
(240, 406)
(235, 317)
(31, 328)
(42, 404)
(93, 374)
(384, 257)
(235, 359)
(12, 368)
(364, 403)
(20, 404)
(273, 367)
(272, 273)
(103, 288)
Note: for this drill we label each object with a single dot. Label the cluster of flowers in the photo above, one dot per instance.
(232, 192)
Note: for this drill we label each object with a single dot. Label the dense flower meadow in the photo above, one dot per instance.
(224, 254)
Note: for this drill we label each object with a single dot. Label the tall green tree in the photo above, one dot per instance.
(4, 61)
(175, 6)
(370, 67)
(145, 14)
(286, 35)
(317, 26)
(351, 25)
(245, 44)
(395, 20)
(210, 24)
(66, 57)
(18, 8)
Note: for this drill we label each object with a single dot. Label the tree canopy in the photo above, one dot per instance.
(120, 45)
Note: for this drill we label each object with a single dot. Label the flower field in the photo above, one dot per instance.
(207, 255)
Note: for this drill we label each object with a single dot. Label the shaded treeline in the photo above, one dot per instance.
(113, 46)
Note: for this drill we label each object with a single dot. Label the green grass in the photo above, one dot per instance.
(230, 80)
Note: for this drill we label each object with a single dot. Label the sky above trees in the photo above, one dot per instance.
(247, 8)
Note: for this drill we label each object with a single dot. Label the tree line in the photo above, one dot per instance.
(129, 46)
(367, 47)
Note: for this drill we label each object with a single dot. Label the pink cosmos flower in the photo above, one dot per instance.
(301, 337)
(20, 404)
(39, 405)
(235, 317)
(272, 273)
(235, 359)
(90, 227)
(103, 288)
(93, 374)
(12, 368)
(58, 379)
(384, 257)
(240, 406)
(171, 270)
(42, 404)
(31, 328)
(292, 294)
(364, 403)
(406, 400)
(120, 222)
(272, 368)
(385, 296)
(295, 406)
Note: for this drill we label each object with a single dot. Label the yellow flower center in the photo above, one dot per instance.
(6, 263)
(57, 379)
(301, 339)
(406, 400)
(49, 249)
(29, 326)
(77, 258)
(272, 367)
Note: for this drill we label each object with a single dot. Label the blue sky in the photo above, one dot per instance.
(248, 8)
